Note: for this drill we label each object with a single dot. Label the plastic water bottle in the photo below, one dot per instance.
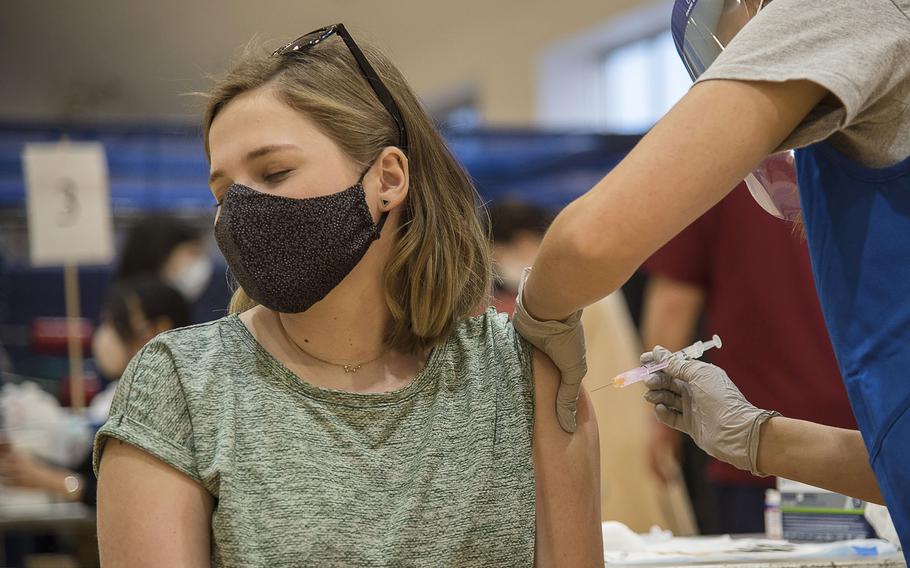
(774, 521)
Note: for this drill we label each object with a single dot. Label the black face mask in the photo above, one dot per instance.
(287, 253)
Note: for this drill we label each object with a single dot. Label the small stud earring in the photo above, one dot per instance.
(385, 203)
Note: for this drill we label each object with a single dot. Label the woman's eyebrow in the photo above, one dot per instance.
(252, 155)
(259, 152)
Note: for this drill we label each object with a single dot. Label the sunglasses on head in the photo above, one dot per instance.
(314, 38)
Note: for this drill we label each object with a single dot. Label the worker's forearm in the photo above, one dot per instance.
(693, 157)
(832, 458)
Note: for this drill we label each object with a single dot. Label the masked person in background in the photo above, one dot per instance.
(170, 248)
(832, 80)
(350, 410)
(517, 229)
(133, 313)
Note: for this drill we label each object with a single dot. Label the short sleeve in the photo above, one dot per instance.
(510, 358)
(150, 411)
(687, 257)
(524, 388)
(523, 348)
(858, 51)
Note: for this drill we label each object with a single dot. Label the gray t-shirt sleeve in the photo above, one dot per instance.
(150, 411)
(859, 51)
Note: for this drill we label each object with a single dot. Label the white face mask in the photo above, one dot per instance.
(193, 278)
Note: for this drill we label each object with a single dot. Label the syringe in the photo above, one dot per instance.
(694, 351)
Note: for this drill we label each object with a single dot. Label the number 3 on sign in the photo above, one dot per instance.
(69, 211)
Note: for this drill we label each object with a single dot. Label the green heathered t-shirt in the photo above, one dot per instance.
(439, 473)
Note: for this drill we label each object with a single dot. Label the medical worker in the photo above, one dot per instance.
(831, 80)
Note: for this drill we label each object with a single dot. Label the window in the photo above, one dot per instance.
(619, 76)
(462, 117)
(640, 81)
(455, 108)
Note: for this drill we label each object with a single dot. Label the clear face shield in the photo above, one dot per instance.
(701, 30)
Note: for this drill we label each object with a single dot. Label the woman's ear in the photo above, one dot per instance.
(392, 170)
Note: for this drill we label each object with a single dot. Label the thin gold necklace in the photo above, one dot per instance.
(348, 368)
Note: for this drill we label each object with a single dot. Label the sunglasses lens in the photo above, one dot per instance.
(306, 41)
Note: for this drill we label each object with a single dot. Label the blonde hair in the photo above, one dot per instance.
(439, 269)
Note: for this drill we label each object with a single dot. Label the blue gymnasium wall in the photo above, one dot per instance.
(162, 167)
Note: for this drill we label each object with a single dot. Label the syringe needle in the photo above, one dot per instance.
(632, 376)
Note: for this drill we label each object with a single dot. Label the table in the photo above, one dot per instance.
(60, 518)
(746, 551)
(887, 562)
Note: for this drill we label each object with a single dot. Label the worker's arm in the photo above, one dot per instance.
(824, 456)
(701, 400)
(21, 469)
(717, 133)
(671, 310)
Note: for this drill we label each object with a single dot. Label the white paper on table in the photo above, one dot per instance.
(657, 549)
(34, 422)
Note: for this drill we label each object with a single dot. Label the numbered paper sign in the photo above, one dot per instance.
(69, 208)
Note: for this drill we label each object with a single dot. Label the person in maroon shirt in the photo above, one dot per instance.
(748, 274)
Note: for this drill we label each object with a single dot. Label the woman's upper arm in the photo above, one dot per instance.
(150, 514)
(567, 473)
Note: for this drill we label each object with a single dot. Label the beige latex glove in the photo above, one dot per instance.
(564, 343)
(700, 399)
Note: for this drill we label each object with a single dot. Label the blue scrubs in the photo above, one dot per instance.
(857, 222)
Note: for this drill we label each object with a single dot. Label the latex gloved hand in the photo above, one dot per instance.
(564, 343)
(700, 399)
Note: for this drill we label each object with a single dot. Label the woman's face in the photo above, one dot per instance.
(261, 142)
(735, 17)
(112, 352)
